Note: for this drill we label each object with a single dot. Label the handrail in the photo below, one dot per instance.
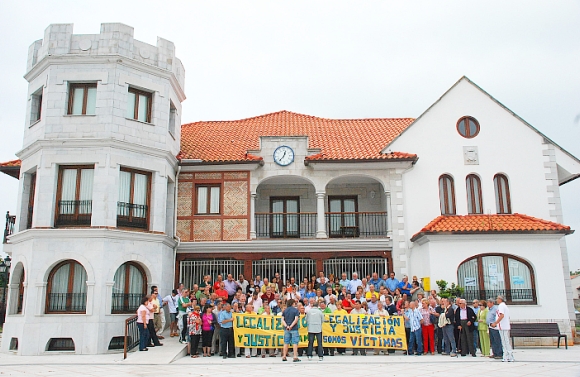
(131, 335)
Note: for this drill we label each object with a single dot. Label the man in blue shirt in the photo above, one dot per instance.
(344, 281)
(494, 337)
(404, 286)
(392, 284)
(354, 284)
(376, 281)
(290, 318)
(227, 332)
(413, 315)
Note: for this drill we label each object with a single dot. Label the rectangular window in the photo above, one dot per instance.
(75, 196)
(133, 204)
(35, 106)
(343, 219)
(82, 99)
(208, 200)
(285, 218)
(31, 200)
(139, 105)
(172, 118)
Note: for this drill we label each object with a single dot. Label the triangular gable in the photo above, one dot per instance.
(574, 159)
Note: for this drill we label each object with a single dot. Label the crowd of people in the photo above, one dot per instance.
(432, 324)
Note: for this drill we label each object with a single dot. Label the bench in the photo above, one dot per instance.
(538, 330)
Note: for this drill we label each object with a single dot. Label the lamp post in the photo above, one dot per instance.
(4, 276)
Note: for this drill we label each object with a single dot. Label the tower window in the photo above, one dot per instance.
(35, 106)
(82, 99)
(139, 105)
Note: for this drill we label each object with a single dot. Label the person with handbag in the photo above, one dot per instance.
(465, 319)
(428, 327)
(447, 323)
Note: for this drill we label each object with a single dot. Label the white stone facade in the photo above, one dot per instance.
(108, 141)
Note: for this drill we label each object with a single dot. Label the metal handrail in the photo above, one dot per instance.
(131, 335)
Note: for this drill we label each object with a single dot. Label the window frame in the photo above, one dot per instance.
(446, 178)
(355, 232)
(471, 194)
(86, 87)
(20, 301)
(499, 202)
(172, 119)
(36, 98)
(32, 191)
(127, 265)
(132, 191)
(506, 272)
(71, 263)
(76, 215)
(468, 134)
(208, 204)
(284, 214)
(138, 92)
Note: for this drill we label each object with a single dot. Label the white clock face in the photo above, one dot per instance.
(283, 155)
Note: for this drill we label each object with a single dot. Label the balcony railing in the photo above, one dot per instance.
(67, 303)
(132, 215)
(9, 227)
(74, 213)
(356, 224)
(285, 225)
(513, 296)
(126, 302)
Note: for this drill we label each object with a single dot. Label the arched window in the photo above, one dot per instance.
(489, 275)
(502, 194)
(447, 195)
(129, 288)
(67, 288)
(20, 293)
(474, 202)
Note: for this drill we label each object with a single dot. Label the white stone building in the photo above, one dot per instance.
(114, 198)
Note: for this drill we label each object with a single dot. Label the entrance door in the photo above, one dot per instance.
(285, 215)
(343, 221)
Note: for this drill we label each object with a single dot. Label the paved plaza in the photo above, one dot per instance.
(169, 360)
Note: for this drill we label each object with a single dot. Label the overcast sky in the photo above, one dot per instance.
(335, 59)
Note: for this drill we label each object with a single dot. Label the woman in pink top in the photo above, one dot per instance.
(143, 314)
(427, 327)
(207, 322)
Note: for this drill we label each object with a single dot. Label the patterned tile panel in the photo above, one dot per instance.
(207, 230)
(183, 176)
(184, 199)
(235, 229)
(208, 175)
(235, 198)
(184, 230)
(236, 175)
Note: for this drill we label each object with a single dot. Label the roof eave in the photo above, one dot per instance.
(13, 171)
(413, 160)
(420, 235)
(205, 163)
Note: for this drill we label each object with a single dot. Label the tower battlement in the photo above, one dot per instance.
(114, 39)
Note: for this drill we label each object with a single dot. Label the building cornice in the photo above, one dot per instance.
(359, 164)
(304, 246)
(85, 233)
(96, 143)
(105, 59)
(423, 238)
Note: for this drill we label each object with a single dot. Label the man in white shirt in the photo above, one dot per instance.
(354, 284)
(171, 302)
(502, 324)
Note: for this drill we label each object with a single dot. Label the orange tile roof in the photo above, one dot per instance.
(12, 168)
(337, 139)
(472, 224)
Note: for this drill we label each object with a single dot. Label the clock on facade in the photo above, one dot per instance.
(283, 155)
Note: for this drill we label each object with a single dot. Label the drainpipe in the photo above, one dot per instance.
(175, 221)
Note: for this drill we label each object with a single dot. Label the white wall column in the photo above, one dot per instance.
(389, 215)
(320, 218)
(253, 216)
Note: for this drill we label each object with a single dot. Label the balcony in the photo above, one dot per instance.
(67, 303)
(285, 225)
(356, 224)
(131, 215)
(74, 213)
(9, 227)
(126, 302)
(512, 296)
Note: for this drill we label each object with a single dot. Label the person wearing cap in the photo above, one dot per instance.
(503, 325)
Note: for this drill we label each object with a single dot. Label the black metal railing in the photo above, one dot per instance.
(74, 212)
(285, 225)
(9, 227)
(132, 215)
(126, 302)
(513, 296)
(67, 303)
(131, 335)
(356, 224)
(29, 218)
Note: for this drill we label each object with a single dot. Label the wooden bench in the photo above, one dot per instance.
(537, 330)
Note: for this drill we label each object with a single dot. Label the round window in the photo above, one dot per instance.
(468, 127)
